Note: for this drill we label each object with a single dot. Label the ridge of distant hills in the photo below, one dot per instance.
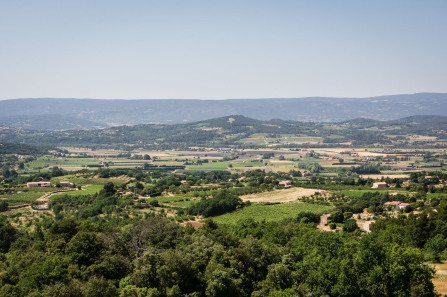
(72, 113)
(48, 122)
(232, 130)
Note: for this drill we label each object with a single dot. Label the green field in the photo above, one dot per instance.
(51, 161)
(257, 135)
(359, 193)
(46, 163)
(335, 136)
(270, 213)
(304, 139)
(64, 177)
(439, 195)
(248, 164)
(41, 190)
(353, 193)
(209, 166)
(20, 198)
(89, 190)
(166, 199)
(183, 204)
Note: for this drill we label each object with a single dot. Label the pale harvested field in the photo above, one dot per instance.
(421, 138)
(327, 229)
(245, 169)
(281, 162)
(195, 224)
(70, 168)
(370, 154)
(282, 196)
(283, 168)
(93, 152)
(379, 176)
(440, 280)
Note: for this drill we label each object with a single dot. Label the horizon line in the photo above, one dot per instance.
(223, 99)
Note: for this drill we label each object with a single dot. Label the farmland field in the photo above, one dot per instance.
(359, 193)
(270, 213)
(89, 190)
(209, 166)
(183, 204)
(166, 199)
(20, 198)
(286, 195)
(248, 164)
(379, 176)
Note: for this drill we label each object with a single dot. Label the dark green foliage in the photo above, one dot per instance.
(4, 206)
(309, 216)
(268, 155)
(7, 235)
(87, 206)
(109, 189)
(367, 169)
(222, 202)
(350, 225)
(64, 229)
(337, 217)
(156, 257)
(97, 247)
(83, 248)
(24, 149)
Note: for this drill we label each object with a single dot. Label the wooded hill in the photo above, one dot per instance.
(230, 130)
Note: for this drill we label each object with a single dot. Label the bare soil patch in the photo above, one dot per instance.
(370, 154)
(440, 280)
(421, 138)
(379, 176)
(195, 224)
(282, 196)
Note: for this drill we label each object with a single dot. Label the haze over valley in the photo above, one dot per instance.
(62, 114)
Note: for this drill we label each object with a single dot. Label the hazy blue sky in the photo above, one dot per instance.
(221, 49)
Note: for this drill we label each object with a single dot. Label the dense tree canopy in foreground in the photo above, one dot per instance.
(156, 257)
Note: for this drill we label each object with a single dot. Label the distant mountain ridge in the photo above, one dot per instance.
(48, 122)
(114, 112)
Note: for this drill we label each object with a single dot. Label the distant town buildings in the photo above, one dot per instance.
(379, 185)
(46, 184)
(37, 184)
(396, 204)
(43, 206)
(324, 218)
(284, 184)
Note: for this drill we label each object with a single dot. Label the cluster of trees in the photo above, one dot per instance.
(426, 231)
(12, 178)
(155, 257)
(4, 206)
(24, 149)
(313, 167)
(222, 202)
(88, 206)
(369, 168)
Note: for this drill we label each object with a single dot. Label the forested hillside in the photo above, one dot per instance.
(99, 245)
(232, 130)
